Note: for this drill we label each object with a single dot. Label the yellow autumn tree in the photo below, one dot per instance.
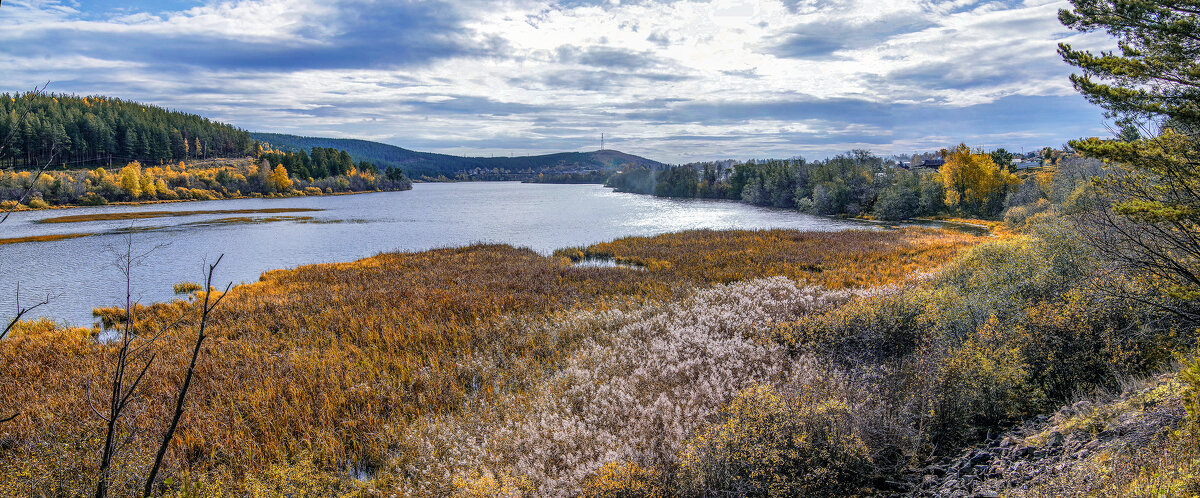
(149, 189)
(974, 184)
(131, 179)
(279, 179)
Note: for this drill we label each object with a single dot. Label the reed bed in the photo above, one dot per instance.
(43, 238)
(632, 396)
(833, 260)
(138, 215)
(333, 377)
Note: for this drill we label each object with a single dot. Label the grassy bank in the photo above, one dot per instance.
(5, 205)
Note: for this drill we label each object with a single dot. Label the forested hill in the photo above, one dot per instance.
(74, 132)
(427, 164)
(91, 131)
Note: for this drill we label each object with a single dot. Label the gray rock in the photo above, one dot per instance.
(1055, 439)
(980, 458)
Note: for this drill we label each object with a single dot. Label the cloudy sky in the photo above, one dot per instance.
(674, 80)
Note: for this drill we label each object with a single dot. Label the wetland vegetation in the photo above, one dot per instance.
(698, 363)
(139, 215)
(314, 370)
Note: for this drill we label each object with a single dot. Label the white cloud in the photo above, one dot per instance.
(538, 76)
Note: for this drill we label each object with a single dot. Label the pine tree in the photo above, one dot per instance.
(1148, 219)
(1156, 71)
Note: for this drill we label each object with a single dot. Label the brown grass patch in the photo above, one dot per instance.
(831, 259)
(78, 218)
(43, 238)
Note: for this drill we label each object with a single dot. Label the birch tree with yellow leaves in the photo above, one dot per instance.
(279, 180)
(974, 184)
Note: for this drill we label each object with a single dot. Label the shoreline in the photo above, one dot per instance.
(24, 208)
(991, 228)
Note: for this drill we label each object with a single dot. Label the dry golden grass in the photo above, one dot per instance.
(831, 259)
(331, 363)
(77, 218)
(997, 228)
(42, 238)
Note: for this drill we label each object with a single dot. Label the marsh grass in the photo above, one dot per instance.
(43, 238)
(138, 215)
(231, 220)
(379, 365)
(834, 260)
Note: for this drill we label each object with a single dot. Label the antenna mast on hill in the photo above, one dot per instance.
(601, 141)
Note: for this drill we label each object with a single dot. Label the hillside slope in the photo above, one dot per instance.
(418, 164)
(94, 130)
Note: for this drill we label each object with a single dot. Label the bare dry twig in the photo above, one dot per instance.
(206, 308)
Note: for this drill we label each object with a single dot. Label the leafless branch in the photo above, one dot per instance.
(206, 308)
(123, 389)
(20, 313)
(87, 392)
(32, 183)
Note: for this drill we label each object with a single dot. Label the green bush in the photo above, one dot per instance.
(92, 199)
(1005, 277)
(1190, 375)
(1015, 217)
(980, 385)
(877, 328)
(897, 203)
(771, 444)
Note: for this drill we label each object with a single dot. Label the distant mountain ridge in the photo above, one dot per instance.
(428, 164)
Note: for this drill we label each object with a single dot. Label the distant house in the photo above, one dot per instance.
(936, 162)
(1027, 164)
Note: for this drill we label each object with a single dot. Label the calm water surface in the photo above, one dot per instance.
(78, 274)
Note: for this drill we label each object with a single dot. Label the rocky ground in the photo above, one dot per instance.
(1051, 455)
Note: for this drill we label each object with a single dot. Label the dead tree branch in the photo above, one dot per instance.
(123, 388)
(206, 309)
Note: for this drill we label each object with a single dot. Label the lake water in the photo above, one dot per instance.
(78, 273)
